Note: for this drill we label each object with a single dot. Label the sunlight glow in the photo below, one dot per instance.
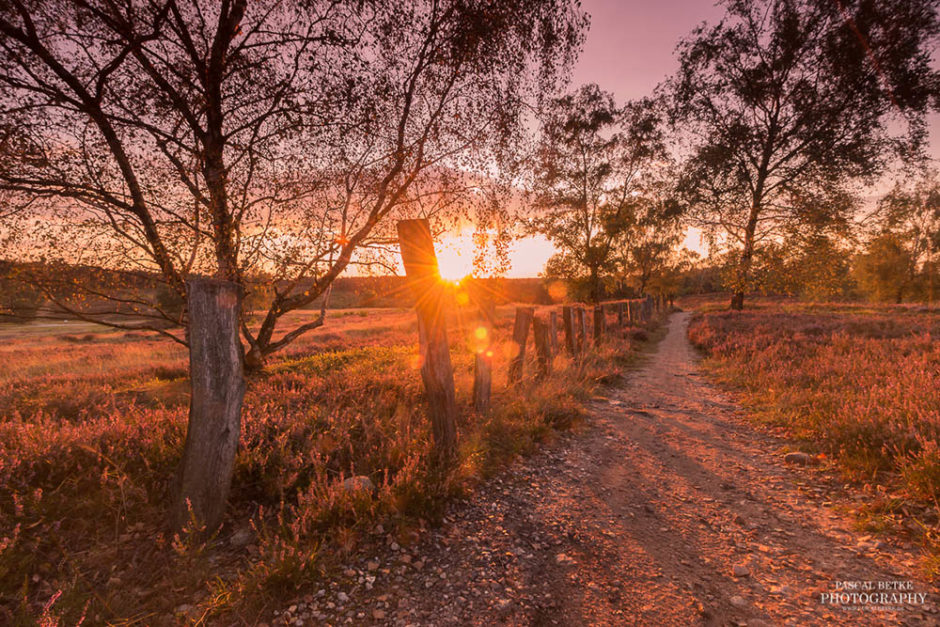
(455, 257)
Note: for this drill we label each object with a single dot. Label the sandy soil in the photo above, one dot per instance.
(669, 509)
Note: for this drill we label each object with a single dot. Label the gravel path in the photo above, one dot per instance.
(667, 510)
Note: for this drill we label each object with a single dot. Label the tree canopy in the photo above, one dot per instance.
(786, 104)
(264, 143)
(592, 161)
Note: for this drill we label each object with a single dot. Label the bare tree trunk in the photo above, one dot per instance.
(218, 386)
(420, 261)
(744, 267)
(520, 332)
(597, 292)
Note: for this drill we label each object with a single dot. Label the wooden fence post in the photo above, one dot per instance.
(553, 332)
(483, 358)
(520, 331)
(571, 336)
(582, 330)
(543, 348)
(620, 314)
(420, 261)
(600, 324)
(217, 382)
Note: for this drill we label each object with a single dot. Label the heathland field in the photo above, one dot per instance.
(92, 428)
(93, 424)
(856, 385)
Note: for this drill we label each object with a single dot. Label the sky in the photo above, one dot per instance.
(629, 50)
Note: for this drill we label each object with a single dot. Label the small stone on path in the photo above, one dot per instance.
(798, 458)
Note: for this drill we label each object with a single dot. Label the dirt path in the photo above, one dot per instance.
(670, 510)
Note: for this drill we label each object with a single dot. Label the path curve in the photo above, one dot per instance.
(670, 510)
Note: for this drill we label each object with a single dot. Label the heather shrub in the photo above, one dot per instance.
(858, 385)
(91, 434)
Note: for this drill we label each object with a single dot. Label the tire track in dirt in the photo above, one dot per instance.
(669, 510)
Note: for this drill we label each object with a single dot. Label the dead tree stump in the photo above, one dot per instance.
(217, 382)
(420, 261)
(520, 332)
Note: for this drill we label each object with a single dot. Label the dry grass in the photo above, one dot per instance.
(91, 432)
(855, 383)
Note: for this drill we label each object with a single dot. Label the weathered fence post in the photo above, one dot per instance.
(483, 359)
(543, 347)
(520, 331)
(217, 382)
(417, 254)
(571, 336)
(600, 324)
(620, 314)
(582, 330)
(553, 332)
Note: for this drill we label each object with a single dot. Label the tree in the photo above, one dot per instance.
(646, 247)
(911, 213)
(247, 140)
(788, 102)
(589, 164)
(885, 270)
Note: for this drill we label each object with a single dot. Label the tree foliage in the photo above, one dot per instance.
(592, 161)
(263, 143)
(647, 253)
(787, 103)
(898, 261)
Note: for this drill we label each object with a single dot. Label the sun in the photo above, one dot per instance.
(455, 257)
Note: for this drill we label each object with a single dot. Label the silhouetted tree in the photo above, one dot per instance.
(885, 269)
(240, 140)
(787, 102)
(590, 163)
(911, 212)
(649, 234)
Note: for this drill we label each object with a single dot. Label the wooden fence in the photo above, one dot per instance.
(422, 271)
